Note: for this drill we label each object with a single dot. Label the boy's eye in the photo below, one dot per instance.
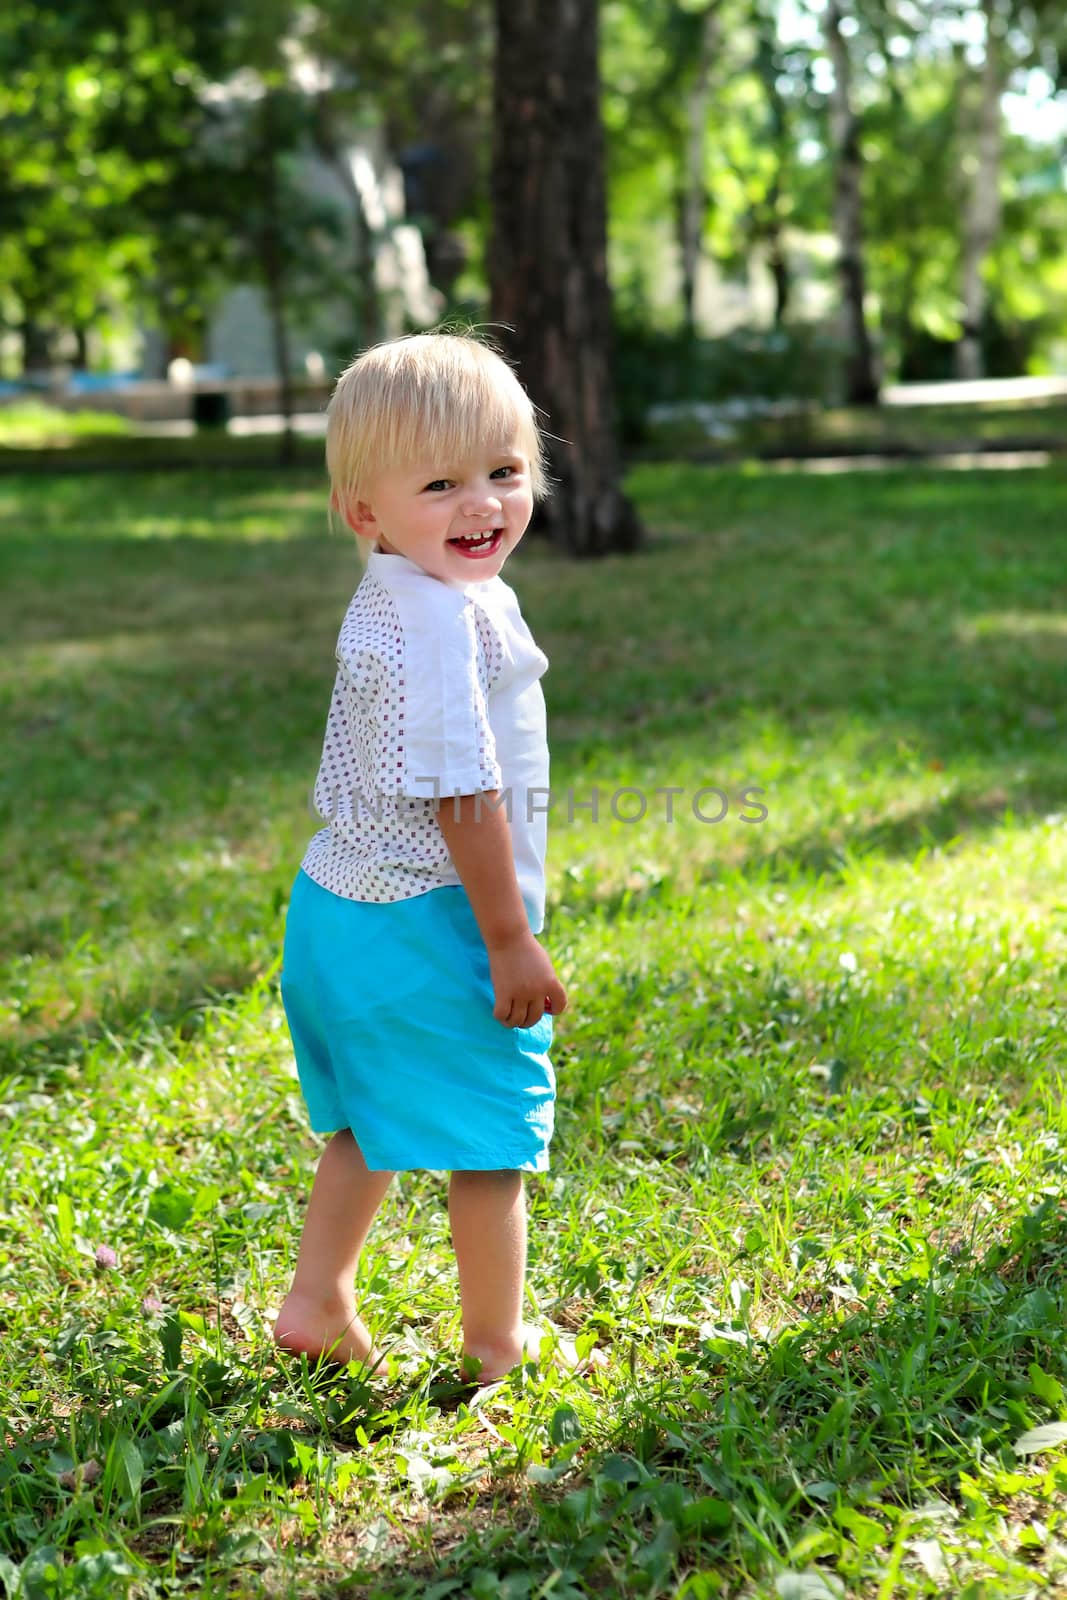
(446, 483)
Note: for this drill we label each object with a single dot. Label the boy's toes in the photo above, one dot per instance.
(320, 1338)
(555, 1350)
(593, 1361)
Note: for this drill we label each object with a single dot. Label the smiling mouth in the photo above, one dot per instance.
(479, 544)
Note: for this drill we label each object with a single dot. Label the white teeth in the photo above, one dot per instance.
(474, 540)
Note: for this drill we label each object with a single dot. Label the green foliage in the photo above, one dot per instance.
(807, 1187)
(915, 153)
(136, 144)
(97, 104)
(762, 112)
(767, 176)
(415, 64)
(751, 365)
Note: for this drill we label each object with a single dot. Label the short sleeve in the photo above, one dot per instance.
(448, 745)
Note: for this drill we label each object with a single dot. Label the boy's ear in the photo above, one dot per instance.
(359, 517)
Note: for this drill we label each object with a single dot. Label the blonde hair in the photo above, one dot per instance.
(442, 395)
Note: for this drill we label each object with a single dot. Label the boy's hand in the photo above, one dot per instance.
(524, 982)
(478, 837)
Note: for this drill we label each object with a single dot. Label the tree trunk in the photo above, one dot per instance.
(778, 262)
(770, 68)
(368, 311)
(905, 319)
(280, 340)
(861, 385)
(273, 269)
(694, 201)
(981, 222)
(547, 260)
(36, 346)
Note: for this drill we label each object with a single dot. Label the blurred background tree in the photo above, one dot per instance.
(100, 108)
(548, 261)
(805, 201)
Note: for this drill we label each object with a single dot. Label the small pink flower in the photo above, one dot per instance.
(151, 1306)
(106, 1257)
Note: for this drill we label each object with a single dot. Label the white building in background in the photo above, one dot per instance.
(239, 337)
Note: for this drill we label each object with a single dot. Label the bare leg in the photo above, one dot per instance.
(488, 1215)
(319, 1316)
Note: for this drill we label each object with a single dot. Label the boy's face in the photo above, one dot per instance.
(459, 521)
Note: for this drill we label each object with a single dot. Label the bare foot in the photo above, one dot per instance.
(327, 1329)
(486, 1364)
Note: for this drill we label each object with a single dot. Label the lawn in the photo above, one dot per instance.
(35, 436)
(891, 430)
(807, 1187)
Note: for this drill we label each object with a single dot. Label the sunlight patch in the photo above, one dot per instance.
(1012, 624)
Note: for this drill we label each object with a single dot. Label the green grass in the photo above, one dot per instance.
(28, 423)
(808, 1178)
(125, 450)
(944, 426)
(35, 436)
(893, 430)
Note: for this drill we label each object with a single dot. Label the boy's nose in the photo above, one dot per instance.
(479, 502)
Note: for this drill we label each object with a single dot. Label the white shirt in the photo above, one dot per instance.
(437, 693)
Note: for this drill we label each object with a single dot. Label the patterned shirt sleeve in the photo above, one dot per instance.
(447, 745)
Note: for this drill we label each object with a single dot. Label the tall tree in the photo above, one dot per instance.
(861, 384)
(327, 131)
(693, 202)
(548, 259)
(981, 214)
(769, 212)
(1019, 35)
(421, 70)
(281, 235)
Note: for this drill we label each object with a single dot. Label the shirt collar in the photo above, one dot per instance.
(390, 568)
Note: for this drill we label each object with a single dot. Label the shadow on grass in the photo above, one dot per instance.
(869, 1396)
(878, 1405)
(862, 1416)
(42, 1058)
(931, 827)
(169, 693)
(832, 1432)
(829, 855)
(859, 1418)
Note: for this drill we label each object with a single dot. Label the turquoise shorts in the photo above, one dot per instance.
(390, 1007)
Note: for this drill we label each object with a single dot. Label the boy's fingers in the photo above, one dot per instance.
(519, 1013)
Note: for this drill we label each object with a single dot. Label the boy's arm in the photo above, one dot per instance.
(478, 837)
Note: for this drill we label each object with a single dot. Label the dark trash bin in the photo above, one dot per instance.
(211, 408)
